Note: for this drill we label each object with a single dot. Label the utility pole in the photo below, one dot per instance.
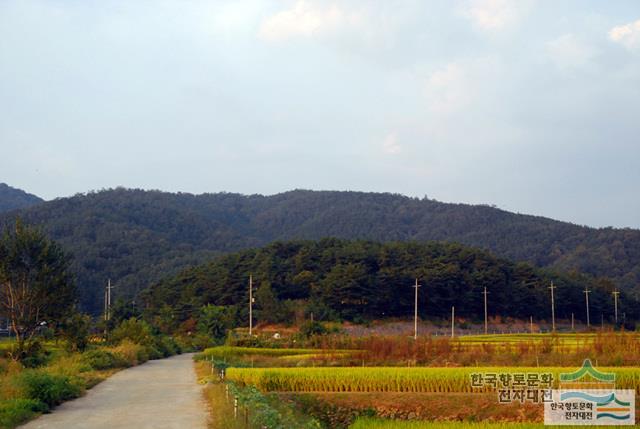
(107, 301)
(486, 324)
(453, 321)
(250, 304)
(109, 287)
(553, 309)
(531, 324)
(615, 305)
(586, 296)
(107, 305)
(572, 325)
(415, 312)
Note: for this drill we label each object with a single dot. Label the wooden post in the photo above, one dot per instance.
(415, 312)
(453, 321)
(553, 309)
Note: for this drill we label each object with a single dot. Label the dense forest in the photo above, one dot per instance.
(137, 237)
(12, 198)
(361, 280)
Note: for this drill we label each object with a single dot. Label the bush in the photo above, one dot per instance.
(75, 331)
(15, 411)
(311, 328)
(34, 355)
(152, 352)
(101, 359)
(134, 330)
(167, 346)
(47, 388)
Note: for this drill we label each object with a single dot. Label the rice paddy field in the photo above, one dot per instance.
(394, 379)
(397, 382)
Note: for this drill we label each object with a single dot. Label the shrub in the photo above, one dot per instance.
(151, 352)
(134, 330)
(75, 331)
(102, 359)
(167, 346)
(130, 353)
(47, 388)
(33, 355)
(15, 411)
(311, 328)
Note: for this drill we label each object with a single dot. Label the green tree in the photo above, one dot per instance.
(269, 308)
(214, 321)
(137, 331)
(75, 330)
(36, 285)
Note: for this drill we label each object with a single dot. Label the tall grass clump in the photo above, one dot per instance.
(15, 411)
(47, 388)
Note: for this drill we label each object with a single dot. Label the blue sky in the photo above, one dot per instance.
(533, 106)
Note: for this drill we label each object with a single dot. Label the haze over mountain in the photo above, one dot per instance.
(13, 198)
(137, 237)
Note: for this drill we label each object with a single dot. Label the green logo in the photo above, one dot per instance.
(588, 369)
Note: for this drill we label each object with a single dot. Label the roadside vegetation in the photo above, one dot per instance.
(54, 353)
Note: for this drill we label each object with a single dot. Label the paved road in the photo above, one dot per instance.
(160, 394)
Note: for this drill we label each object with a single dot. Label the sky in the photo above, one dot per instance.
(532, 106)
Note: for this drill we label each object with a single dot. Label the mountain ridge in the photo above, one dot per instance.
(137, 237)
(13, 198)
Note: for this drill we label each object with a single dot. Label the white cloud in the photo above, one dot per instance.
(462, 84)
(448, 89)
(627, 35)
(390, 144)
(305, 19)
(494, 15)
(570, 52)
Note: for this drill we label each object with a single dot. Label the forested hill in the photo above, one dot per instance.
(137, 237)
(12, 198)
(358, 280)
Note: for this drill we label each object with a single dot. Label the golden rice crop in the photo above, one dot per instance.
(394, 379)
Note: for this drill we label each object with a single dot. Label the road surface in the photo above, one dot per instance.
(160, 394)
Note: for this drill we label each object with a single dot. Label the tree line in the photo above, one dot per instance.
(363, 280)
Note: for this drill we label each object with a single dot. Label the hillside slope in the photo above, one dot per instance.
(12, 198)
(363, 280)
(137, 237)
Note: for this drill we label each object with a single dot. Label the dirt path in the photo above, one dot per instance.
(158, 394)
